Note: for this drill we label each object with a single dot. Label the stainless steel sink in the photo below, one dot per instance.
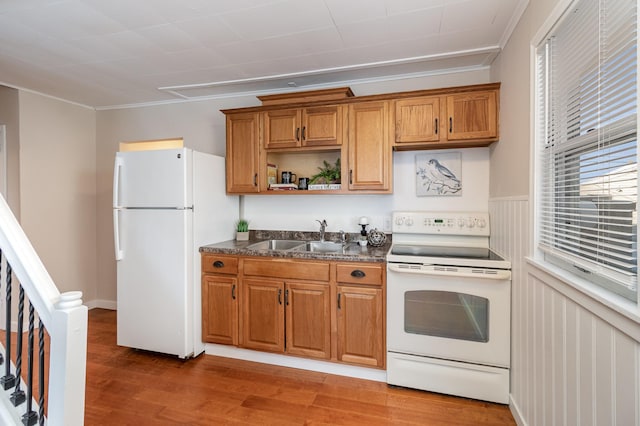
(276, 245)
(299, 245)
(324, 246)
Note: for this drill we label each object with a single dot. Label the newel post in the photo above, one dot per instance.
(68, 361)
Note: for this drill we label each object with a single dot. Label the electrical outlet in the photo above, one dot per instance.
(386, 224)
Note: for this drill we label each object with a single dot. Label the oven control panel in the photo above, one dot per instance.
(445, 223)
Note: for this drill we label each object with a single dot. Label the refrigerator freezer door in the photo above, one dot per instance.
(155, 280)
(153, 179)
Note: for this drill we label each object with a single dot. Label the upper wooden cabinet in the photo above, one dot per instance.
(369, 159)
(281, 128)
(472, 116)
(302, 127)
(462, 119)
(243, 153)
(418, 120)
(299, 132)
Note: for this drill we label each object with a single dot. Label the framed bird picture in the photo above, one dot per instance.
(439, 174)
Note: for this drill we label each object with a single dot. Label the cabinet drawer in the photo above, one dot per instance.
(285, 268)
(358, 273)
(217, 264)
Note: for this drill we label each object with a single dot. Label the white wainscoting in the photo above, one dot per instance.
(568, 365)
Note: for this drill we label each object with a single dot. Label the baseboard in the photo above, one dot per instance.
(102, 304)
(295, 362)
(516, 413)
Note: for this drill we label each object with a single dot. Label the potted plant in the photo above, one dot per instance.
(328, 173)
(242, 230)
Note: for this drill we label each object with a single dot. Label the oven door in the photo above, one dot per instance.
(459, 314)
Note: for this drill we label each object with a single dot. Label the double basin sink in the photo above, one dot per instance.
(297, 245)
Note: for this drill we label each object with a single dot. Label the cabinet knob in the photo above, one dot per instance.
(218, 264)
(298, 133)
(436, 126)
(358, 273)
(304, 128)
(450, 125)
(233, 292)
(339, 307)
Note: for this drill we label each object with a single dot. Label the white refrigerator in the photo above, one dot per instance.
(166, 204)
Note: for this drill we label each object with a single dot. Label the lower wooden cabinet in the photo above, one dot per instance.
(291, 317)
(360, 326)
(220, 309)
(220, 295)
(314, 309)
(361, 313)
(308, 319)
(263, 314)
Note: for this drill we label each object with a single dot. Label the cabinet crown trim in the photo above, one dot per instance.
(336, 94)
(300, 100)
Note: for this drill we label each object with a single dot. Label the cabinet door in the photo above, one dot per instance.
(369, 146)
(242, 153)
(321, 126)
(360, 326)
(308, 319)
(263, 314)
(219, 309)
(417, 120)
(472, 116)
(282, 129)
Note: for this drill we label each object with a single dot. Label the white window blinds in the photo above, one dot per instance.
(587, 143)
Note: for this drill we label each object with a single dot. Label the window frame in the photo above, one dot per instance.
(584, 281)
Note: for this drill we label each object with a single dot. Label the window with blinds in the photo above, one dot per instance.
(587, 143)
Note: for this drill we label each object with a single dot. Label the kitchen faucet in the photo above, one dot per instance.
(343, 237)
(323, 225)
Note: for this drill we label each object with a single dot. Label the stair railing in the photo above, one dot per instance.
(65, 320)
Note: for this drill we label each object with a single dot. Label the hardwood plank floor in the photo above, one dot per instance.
(130, 387)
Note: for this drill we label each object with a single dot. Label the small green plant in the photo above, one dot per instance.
(328, 173)
(242, 225)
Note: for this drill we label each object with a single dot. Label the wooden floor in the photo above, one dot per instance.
(129, 387)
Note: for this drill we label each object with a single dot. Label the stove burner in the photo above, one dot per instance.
(445, 252)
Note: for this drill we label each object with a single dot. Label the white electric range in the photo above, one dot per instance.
(448, 306)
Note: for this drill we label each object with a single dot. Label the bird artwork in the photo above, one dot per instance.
(436, 179)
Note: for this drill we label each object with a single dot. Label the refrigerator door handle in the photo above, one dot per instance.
(116, 236)
(116, 180)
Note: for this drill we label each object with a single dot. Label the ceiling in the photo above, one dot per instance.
(106, 53)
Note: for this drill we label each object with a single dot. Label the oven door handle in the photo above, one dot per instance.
(479, 273)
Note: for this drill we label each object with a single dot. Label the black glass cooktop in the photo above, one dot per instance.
(445, 252)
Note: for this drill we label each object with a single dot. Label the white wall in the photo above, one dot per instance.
(57, 188)
(510, 158)
(573, 360)
(9, 116)
(203, 127)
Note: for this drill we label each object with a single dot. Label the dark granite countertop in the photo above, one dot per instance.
(352, 251)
